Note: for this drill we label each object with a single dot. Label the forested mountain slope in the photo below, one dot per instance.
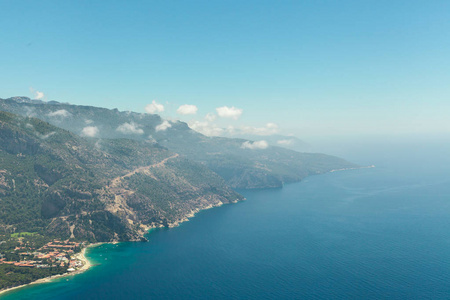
(55, 182)
(241, 167)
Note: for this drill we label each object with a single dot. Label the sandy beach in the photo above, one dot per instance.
(80, 256)
(87, 264)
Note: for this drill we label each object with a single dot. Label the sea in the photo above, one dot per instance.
(372, 233)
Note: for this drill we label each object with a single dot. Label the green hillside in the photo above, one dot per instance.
(240, 167)
(59, 184)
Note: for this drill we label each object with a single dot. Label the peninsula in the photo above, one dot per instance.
(62, 189)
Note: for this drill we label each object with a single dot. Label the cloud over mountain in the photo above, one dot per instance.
(62, 113)
(269, 129)
(210, 117)
(187, 109)
(206, 128)
(229, 112)
(154, 107)
(286, 142)
(163, 126)
(37, 94)
(89, 131)
(255, 145)
(129, 128)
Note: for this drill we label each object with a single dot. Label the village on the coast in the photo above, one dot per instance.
(56, 253)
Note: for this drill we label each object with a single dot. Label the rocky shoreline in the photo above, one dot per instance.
(87, 264)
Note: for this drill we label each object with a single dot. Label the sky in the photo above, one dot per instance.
(307, 68)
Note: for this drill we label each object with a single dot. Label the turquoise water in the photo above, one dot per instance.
(361, 234)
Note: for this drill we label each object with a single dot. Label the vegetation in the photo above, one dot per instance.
(241, 168)
(56, 183)
(22, 234)
(19, 247)
(11, 275)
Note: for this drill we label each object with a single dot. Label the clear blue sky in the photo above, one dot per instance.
(311, 67)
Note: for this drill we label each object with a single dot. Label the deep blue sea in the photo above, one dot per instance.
(380, 233)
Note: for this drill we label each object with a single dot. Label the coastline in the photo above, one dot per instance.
(80, 256)
(356, 168)
(87, 264)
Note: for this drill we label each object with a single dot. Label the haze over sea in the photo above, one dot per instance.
(372, 233)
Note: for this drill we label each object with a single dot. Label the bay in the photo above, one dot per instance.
(372, 233)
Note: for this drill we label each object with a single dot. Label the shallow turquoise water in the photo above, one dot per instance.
(361, 234)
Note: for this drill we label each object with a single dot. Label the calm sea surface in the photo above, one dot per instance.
(362, 234)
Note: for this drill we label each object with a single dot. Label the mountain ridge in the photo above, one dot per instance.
(55, 182)
(241, 167)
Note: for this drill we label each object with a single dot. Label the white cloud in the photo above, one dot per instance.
(210, 117)
(285, 142)
(46, 136)
(163, 126)
(231, 130)
(206, 128)
(130, 128)
(37, 94)
(254, 145)
(59, 113)
(229, 112)
(187, 109)
(269, 129)
(89, 131)
(154, 107)
(88, 121)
